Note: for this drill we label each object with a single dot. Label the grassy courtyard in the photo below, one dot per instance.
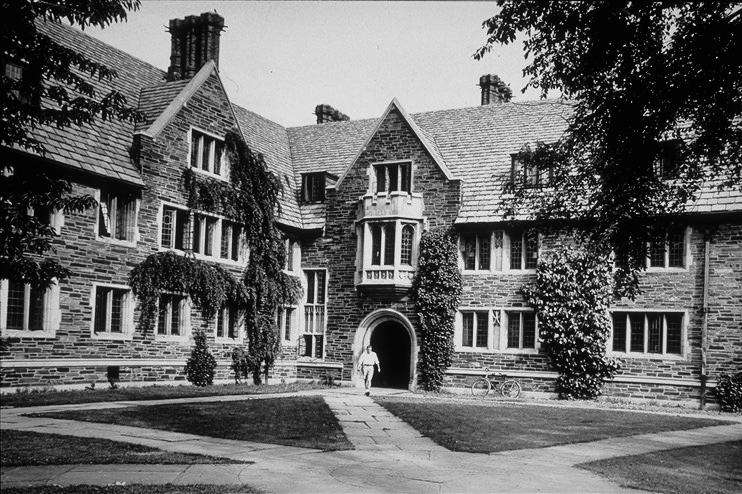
(24, 448)
(715, 468)
(491, 427)
(35, 398)
(303, 421)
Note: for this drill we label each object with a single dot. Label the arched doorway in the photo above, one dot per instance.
(392, 344)
(394, 341)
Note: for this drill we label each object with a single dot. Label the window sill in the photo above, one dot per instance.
(520, 351)
(309, 360)
(202, 257)
(647, 356)
(667, 270)
(210, 174)
(469, 349)
(112, 336)
(114, 241)
(23, 333)
(225, 340)
(171, 338)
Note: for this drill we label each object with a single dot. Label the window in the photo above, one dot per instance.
(408, 235)
(112, 310)
(207, 153)
(286, 323)
(476, 251)
(293, 254)
(117, 216)
(475, 329)
(227, 323)
(382, 244)
(667, 162)
(174, 228)
(313, 187)
(393, 177)
(172, 315)
(524, 250)
(647, 332)
(232, 241)
(314, 314)
(526, 173)
(22, 307)
(204, 234)
(14, 72)
(668, 251)
(521, 329)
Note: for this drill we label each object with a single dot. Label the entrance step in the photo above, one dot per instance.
(370, 427)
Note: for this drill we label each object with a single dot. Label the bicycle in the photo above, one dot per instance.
(509, 388)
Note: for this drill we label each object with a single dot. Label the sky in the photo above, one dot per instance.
(281, 59)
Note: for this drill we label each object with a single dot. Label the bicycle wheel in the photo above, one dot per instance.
(480, 387)
(510, 389)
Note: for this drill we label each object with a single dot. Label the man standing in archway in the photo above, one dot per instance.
(366, 364)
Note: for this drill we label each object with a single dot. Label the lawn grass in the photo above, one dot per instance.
(25, 448)
(134, 489)
(35, 398)
(483, 428)
(715, 468)
(304, 421)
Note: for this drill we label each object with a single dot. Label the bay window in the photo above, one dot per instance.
(314, 313)
(393, 177)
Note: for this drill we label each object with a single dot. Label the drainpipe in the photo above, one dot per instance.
(704, 325)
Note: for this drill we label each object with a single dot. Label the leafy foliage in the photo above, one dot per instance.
(26, 238)
(200, 366)
(729, 392)
(571, 296)
(55, 88)
(436, 292)
(638, 73)
(209, 285)
(253, 201)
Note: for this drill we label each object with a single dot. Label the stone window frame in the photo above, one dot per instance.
(110, 239)
(497, 331)
(459, 330)
(225, 312)
(504, 329)
(50, 321)
(188, 235)
(500, 248)
(687, 257)
(223, 174)
(127, 313)
(374, 181)
(55, 219)
(303, 310)
(292, 248)
(685, 349)
(185, 312)
(293, 333)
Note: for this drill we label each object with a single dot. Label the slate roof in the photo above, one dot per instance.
(475, 144)
(103, 147)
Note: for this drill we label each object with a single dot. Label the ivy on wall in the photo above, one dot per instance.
(251, 199)
(571, 295)
(436, 292)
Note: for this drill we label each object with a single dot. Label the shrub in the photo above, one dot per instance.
(436, 291)
(201, 364)
(729, 392)
(571, 296)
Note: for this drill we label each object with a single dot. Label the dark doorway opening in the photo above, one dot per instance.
(392, 344)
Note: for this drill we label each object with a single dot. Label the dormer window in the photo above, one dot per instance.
(207, 154)
(393, 177)
(526, 173)
(668, 160)
(313, 187)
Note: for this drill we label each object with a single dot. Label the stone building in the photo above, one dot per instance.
(357, 196)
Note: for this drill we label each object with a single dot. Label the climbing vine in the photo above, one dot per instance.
(436, 292)
(571, 296)
(250, 199)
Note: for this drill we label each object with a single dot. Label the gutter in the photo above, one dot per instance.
(704, 325)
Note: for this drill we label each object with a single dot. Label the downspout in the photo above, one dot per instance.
(704, 325)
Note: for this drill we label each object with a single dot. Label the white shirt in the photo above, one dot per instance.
(368, 359)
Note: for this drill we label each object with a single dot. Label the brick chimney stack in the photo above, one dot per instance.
(494, 90)
(326, 113)
(194, 41)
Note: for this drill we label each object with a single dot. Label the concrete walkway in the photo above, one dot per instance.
(390, 456)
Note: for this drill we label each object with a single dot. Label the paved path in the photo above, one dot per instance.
(390, 456)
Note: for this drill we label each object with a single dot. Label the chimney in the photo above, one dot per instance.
(194, 41)
(494, 90)
(326, 113)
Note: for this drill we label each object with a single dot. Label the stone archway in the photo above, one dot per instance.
(394, 340)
